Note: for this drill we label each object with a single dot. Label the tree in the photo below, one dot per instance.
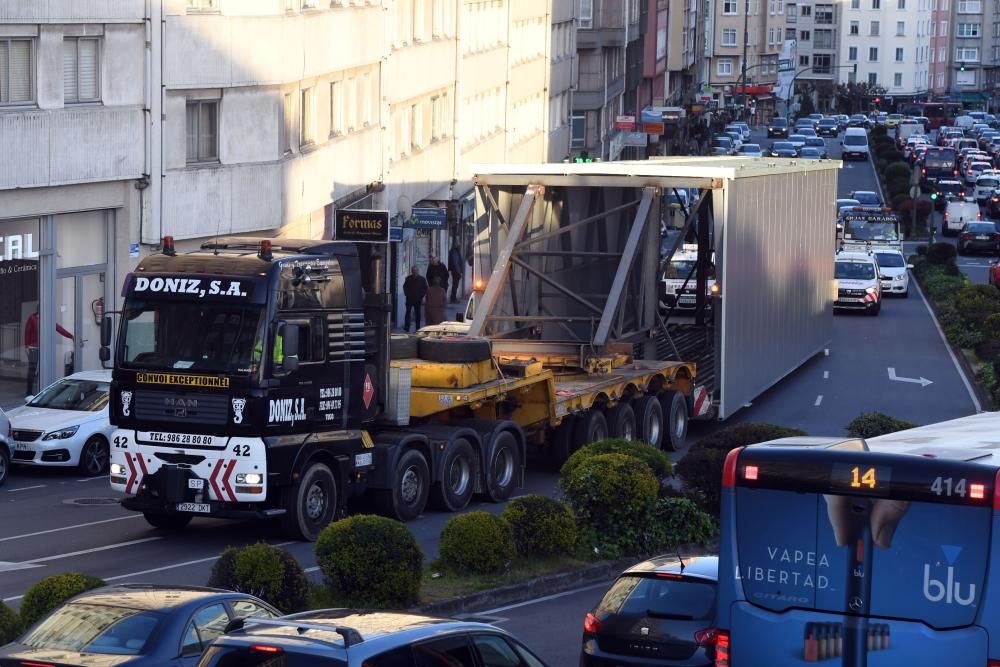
(852, 97)
(806, 105)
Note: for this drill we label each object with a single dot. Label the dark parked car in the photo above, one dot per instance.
(828, 127)
(658, 613)
(979, 237)
(783, 149)
(778, 127)
(135, 624)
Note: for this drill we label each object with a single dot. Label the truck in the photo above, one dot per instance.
(864, 227)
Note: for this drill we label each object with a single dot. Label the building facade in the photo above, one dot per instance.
(814, 28)
(685, 48)
(940, 48)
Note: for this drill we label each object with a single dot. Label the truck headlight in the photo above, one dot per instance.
(249, 478)
(117, 469)
(62, 434)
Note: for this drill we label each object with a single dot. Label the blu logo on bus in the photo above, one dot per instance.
(948, 591)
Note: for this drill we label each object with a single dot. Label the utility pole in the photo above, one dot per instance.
(743, 74)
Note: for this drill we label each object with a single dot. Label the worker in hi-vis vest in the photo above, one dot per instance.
(279, 349)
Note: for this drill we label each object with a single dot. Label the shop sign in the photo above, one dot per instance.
(17, 246)
(361, 225)
(625, 122)
(636, 138)
(395, 234)
(427, 218)
(653, 128)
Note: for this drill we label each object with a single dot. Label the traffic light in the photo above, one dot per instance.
(586, 160)
(877, 100)
(961, 67)
(934, 196)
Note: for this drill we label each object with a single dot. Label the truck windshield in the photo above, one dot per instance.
(871, 231)
(179, 335)
(854, 271)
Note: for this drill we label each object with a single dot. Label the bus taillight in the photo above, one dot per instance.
(722, 648)
(729, 468)
(750, 473)
(996, 496)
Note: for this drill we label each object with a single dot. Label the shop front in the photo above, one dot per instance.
(56, 275)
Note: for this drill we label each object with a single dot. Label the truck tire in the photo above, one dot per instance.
(563, 443)
(458, 477)
(621, 421)
(591, 426)
(411, 481)
(502, 467)
(676, 413)
(455, 349)
(310, 503)
(649, 421)
(168, 522)
(403, 346)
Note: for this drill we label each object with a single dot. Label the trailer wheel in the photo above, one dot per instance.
(592, 426)
(403, 346)
(455, 349)
(649, 420)
(411, 481)
(621, 421)
(675, 408)
(458, 477)
(563, 442)
(502, 470)
(165, 521)
(310, 503)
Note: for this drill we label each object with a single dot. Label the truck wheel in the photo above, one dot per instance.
(563, 443)
(165, 521)
(458, 477)
(455, 349)
(410, 486)
(592, 426)
(675, 408)
(502, 470)
(621, 421)
(649, 420)
(310, 503)
(403, 346)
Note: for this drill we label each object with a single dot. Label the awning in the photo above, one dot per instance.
(764, 89)
(973, 96)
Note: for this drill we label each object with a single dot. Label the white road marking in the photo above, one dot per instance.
(923, 382)
(91, 479)
(176, 565)
(826, 375)
(9, 567)
(74, 526)
(819, 399)
(26, 488)
(961, 373)
(83, 552)
(546, 598)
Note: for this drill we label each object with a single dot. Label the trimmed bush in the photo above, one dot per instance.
(942, 286)
(898, 186)
(871, 424)
(477, 542)
(921, 251)
(677, 521)
(540, 526)
(900, 200)
(898, 170)
(989, 349)
(370, 561)
(975, 303)
(941, 253)
(51, 592)
(963, 337)
(10, 625)
(270, 573)
(657, 460)
(746, 433)
(611, 496)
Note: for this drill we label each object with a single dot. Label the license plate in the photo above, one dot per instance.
(362, 459)
(160, 437)
(196, 484)
(982, 237)
(203, 508)
(22, 446)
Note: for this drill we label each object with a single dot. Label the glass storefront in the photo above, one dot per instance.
(19, 290)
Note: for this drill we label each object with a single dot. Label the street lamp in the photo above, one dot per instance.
(791, 84)
(746, 43)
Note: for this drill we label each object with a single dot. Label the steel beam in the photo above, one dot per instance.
(576, 225)
(552, 283)
(600, 181)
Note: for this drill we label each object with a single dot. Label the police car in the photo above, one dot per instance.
(674, 293)
(858, 282)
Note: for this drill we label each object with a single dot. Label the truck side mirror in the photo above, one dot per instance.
(290, 347)
(105, 352)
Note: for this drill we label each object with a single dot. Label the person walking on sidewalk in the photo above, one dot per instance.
(437, 270)
(414, 289)
(436, 299)
(456, 267)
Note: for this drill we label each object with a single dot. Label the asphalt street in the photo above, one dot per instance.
(53, 521)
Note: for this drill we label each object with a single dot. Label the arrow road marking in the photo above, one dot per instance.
(923, 382)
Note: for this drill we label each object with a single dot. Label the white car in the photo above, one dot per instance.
(894, 271)
(986, 185)
(797, 140)
(750, 150)
(66, 424)
(6, 445)
(681, 269)
(858, 284)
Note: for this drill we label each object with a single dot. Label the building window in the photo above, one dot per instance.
(852, 53)
(336, 108)
(822, 63)
(872, 78)
(419, 18)
(730, 8)
(855, 27)
(416, 127)
(789, 33)
(724, 67)
(970, 6)
(728, 37)
(873, 28)
(873, 53)
(804, 61)
(823, 39)
(876, 4)
(781, 7)
(202, 5)
(804, 35)
(202, 131)
(81, 69)
(900, 28)
(288, 123)
(899, 54)
(579, 131)
(806, 10)
(967, 54)
(900, 4)
(855, 4)
(968, 30)
(824, 14)
(793, 13)
(307, 129)
(367, 98)
(585, 18)
(897, 79)
(16, 71)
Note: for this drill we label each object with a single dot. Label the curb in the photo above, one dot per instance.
(550, 584)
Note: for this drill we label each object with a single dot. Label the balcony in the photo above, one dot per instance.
(608, 26)
(590, 100)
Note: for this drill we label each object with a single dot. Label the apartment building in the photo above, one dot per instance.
(813, 27)
(753, 29)
(609, 52)
(562, 77)
(72, 93)
(684, 46)
(940, 48)
(890, 41)
(654, 55)
(972, 55)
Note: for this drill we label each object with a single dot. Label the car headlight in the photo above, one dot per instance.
(62, 434)
(117, 469)
(249, 478)
(900, 277)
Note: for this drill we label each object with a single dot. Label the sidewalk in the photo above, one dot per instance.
(451, 313)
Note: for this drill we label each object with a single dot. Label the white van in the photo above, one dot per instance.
(957, 214)
(855, 143)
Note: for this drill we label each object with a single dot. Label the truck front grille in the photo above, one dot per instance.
(182, 407)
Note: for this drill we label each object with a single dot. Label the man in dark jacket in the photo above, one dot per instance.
(414, 289)
(437, 270)
(456, 267)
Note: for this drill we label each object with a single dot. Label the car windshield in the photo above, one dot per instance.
(854, 270)
(867, 197)
(683, 599)
(797, 138)
(981, 227)
(988, 183)
(952, 186)
(828, 122)
(679, 268)
(92, 628)
(73, 394)
(783, 146)
(855, 140)
(779, 122)
(815, 142)
(809, 152)
(196, 336)
(890, 260)
(750, 148)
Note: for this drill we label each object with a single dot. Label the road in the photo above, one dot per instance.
(52, 521)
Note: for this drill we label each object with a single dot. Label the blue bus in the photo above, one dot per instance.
(863, 553)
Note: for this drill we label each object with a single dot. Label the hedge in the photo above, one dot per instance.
(871, 424)
(477, 542)
(677, 521)
(658, 461)
(51, 592)
(370, 561)
(271, 573)
(941, 253)
(898, 170)
(540, 526)
(10, 624)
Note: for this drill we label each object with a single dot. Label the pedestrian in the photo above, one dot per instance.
(436, 299)
(437, 270)
(414, 289)
(456, 267)
(31, 348)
